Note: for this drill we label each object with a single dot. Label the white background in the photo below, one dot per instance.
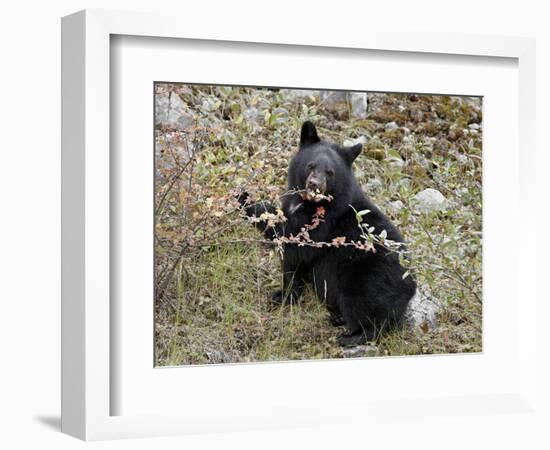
(29, 331)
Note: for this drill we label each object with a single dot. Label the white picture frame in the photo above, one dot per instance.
(87, 329)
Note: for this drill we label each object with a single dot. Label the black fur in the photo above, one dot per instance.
(365, 291)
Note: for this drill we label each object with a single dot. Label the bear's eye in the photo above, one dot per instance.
(310, 166)
(330, 172)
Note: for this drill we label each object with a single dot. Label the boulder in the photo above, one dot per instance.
(333, 97)
(171, 111)
(358, 101)
(396, 205)
(373, 186)
(351, 142)
(422, 310)
(430, 200)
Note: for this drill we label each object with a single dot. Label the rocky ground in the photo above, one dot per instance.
(422, 164)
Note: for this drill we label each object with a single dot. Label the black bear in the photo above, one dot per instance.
(366, 289)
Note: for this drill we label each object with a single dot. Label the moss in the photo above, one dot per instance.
(427, 129)
(376, 153)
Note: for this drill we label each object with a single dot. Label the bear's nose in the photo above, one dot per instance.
(313, 183)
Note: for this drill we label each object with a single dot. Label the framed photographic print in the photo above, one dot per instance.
(265, 231)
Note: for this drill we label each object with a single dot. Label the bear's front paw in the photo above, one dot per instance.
(336, 320)
(278, 298)
(243, 198)
(351, 340)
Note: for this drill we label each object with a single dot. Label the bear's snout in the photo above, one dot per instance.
(316, 187)
(316, 183)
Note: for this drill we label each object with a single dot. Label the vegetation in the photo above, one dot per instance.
(214, 272)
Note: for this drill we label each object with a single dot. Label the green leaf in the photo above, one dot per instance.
(359, 215)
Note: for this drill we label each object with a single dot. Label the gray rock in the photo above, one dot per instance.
(359, 173)
(422, 310)
(333, 97)
(171, 111)
(396, 205)
(358, 102)
(391, 126)
(395, 162)
(430, 200)
(162, 104)
(360, 351)
(373, 186)
(351, 142)
(186, 120)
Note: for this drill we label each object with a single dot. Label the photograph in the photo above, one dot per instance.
(306, 224)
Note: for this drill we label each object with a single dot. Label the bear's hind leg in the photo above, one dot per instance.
(360, 321)
(357, 337)
(336, 319)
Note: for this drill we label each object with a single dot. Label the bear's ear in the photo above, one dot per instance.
(308, 135)
(350, 153)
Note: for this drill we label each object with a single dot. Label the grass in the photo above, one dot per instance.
(223, 315)
(215, 276)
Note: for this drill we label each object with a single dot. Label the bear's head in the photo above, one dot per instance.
(321, 170)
